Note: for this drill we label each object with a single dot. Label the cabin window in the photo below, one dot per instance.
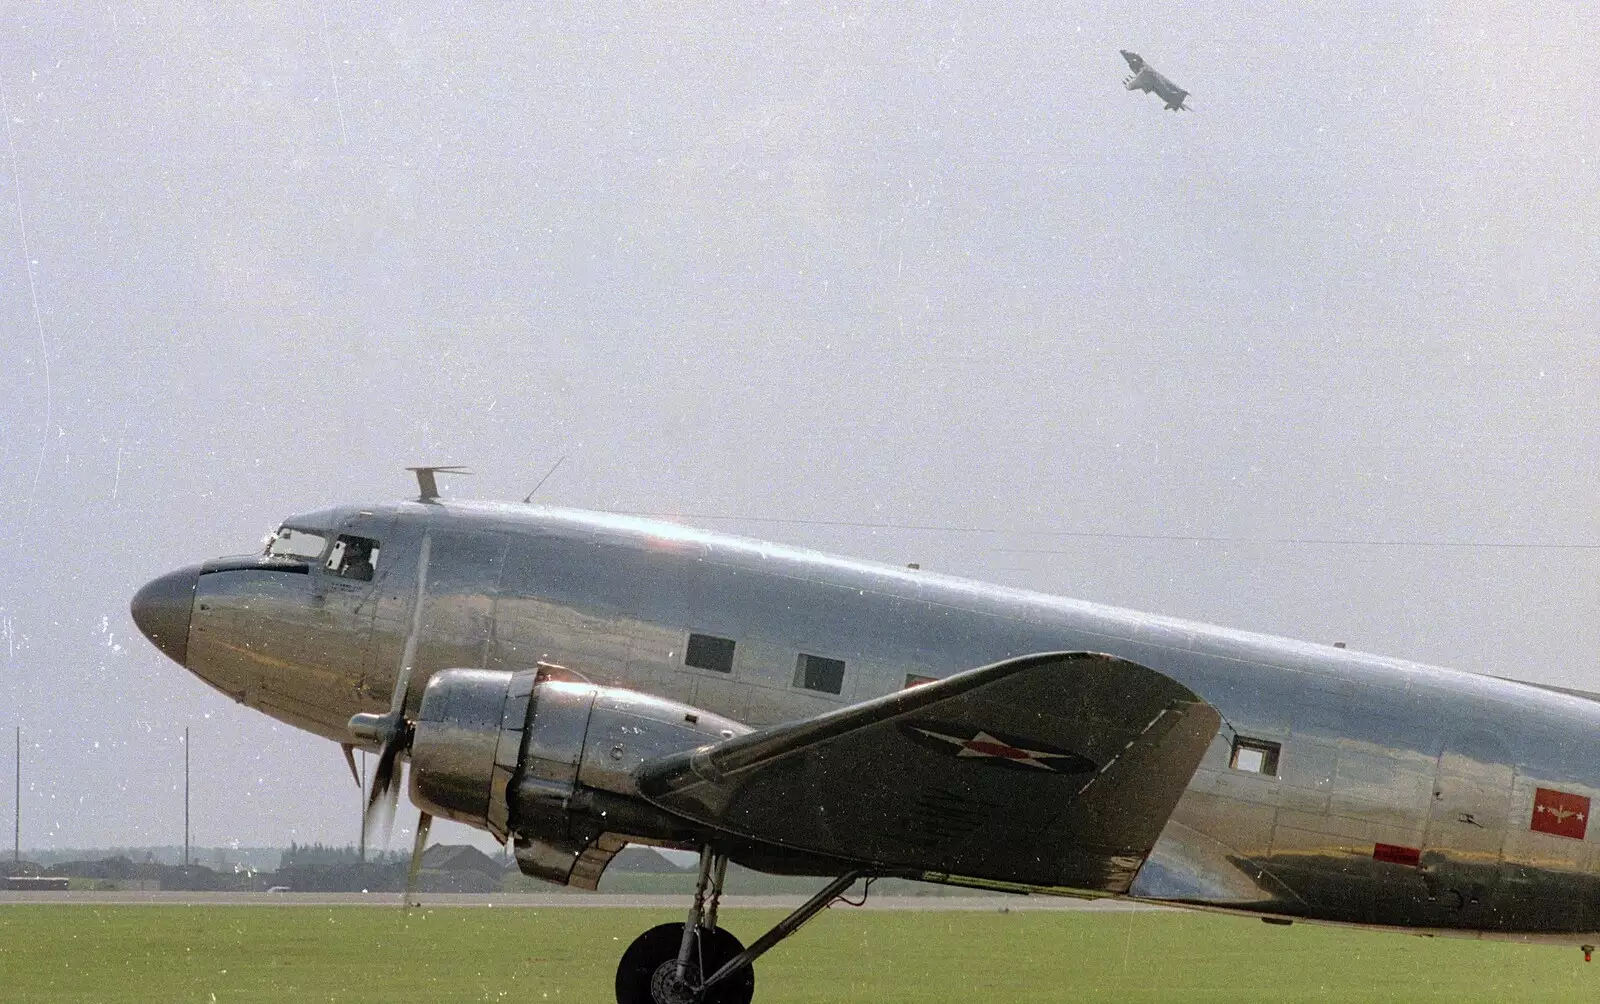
(353, 557)
(707, 651)
(815, 672)
(1255, 756)
(296, 545)
(913, 680)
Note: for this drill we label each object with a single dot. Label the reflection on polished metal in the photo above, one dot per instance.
(162, 611)
(510, 754)
(1209, 767)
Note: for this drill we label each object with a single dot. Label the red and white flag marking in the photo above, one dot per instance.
(1561, 813)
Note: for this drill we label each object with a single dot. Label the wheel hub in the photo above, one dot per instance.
(667, 988)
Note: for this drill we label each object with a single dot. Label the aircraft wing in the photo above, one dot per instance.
(1052, 770)
(1169, 92)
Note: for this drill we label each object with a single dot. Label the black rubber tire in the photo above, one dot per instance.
(659, 946)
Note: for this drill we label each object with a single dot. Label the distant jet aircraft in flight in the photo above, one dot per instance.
(1145, 78)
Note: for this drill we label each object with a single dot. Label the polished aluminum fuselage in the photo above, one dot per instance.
(1374, 751)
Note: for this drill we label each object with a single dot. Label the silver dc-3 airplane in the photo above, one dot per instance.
(574, 681)
(1145, 78)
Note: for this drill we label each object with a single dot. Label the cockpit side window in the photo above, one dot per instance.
(353, 557)
(296, 545)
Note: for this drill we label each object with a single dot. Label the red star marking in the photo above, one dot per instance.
(985, 745)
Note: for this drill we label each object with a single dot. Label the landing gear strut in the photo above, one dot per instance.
(697, 962)
(668, 963)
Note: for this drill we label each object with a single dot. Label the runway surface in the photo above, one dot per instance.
(555, 901)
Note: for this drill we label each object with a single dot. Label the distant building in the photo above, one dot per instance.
(459, 868)
(123, 874)
(642, 858)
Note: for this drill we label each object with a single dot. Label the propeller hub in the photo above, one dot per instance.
(370, 729)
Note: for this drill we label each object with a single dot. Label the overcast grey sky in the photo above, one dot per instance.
(907, 265)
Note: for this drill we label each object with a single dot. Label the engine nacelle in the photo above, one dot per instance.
(550, 764)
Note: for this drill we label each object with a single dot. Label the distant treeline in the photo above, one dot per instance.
(215, 858)
(314, 855)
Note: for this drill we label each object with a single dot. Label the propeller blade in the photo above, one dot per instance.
(390, 805)
(385, 789)
(424, 823)
(383, 775)
(408, 657)
(350, 758)
(391, 732)
(363, 807)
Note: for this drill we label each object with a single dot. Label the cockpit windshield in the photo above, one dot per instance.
(292, 544)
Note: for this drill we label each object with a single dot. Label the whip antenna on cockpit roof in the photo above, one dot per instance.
(428, 485)
(529, 497)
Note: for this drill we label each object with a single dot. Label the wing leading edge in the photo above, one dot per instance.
(1056, 770)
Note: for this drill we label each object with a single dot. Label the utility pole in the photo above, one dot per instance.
(186, 796)
(16, 851)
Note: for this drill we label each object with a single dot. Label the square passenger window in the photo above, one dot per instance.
(353, 557)
(1255, 756)
(913, 680)
(709, 652)
(814, 672)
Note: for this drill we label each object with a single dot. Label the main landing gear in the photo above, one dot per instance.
(697, 962)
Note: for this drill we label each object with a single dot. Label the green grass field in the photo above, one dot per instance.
(349, 954)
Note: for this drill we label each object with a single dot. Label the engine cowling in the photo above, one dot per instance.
(549, 764)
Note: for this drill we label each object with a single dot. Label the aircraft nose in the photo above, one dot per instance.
(161, 610)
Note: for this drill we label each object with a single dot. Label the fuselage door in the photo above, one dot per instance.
(1462, 855)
